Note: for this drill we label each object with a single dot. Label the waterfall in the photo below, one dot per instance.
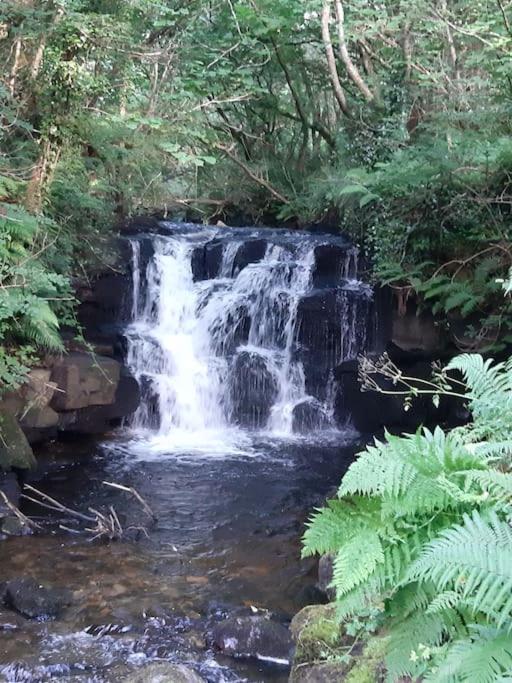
(238, 329)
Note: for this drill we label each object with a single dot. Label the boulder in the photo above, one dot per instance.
(315, 630)
(253, 636)
(38, 390)
(39, 418)
(84, 380)
(324, 672)
(253, 389)
(250, 251)
(15, 450)
(308, 416)
(162, 672)
(35, 601)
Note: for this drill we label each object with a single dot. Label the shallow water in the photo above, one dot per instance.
(227, 539)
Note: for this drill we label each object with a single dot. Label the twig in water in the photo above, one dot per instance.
(136, 494)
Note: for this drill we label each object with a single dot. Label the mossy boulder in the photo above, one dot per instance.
(316, 632)
(369, 667)
(323, 672)
(15, 450)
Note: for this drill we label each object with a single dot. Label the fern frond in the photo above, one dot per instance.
(475, 557)
(485, 657)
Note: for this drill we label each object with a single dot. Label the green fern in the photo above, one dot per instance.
(421, 529)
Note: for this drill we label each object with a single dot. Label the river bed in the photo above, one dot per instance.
(227, 541)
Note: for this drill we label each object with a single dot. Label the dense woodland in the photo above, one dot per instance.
(389, 120)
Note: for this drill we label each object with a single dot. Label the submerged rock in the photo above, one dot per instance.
(33, 600)
(162, 672)
(255, 636)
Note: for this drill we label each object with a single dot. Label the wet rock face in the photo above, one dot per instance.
(207, 260)
(33, 600)
(332, 262)
(250, 251)
(254, 636)
(253, 390)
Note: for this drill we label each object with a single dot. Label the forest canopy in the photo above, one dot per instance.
(387, 120)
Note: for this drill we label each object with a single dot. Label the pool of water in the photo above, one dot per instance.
(227, 541)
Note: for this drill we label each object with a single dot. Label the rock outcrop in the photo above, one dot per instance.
(78, 393)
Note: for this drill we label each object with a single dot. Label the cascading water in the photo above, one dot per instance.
(238, 329)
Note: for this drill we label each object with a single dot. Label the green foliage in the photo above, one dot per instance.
(433, 550)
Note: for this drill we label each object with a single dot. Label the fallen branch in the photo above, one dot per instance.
(129, 489)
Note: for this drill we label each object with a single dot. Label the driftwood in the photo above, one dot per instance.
(99, 524)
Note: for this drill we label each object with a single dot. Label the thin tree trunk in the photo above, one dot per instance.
(42, 175)
(15, 66)
(315, 125)
(37, 62)
(352, 70)
(339, 93)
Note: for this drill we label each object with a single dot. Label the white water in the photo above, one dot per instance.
(189, 340)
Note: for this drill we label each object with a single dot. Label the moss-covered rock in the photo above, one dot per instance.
(368, 667)
(316, 632)
(15, 450)
(324, 672)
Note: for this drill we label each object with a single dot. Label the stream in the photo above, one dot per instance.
(233, 337)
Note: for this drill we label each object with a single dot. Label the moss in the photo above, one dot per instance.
(15, 450)
(317, 633)
(368, 666)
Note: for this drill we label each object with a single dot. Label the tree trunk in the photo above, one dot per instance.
(42, 175)
(352, 70)
(339, 93)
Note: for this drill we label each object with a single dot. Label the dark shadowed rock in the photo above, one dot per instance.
(332, 262)
(325, 574)
(253, 389)
(206, 261)
(35, 601)
(253, 637)
(250, 251)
